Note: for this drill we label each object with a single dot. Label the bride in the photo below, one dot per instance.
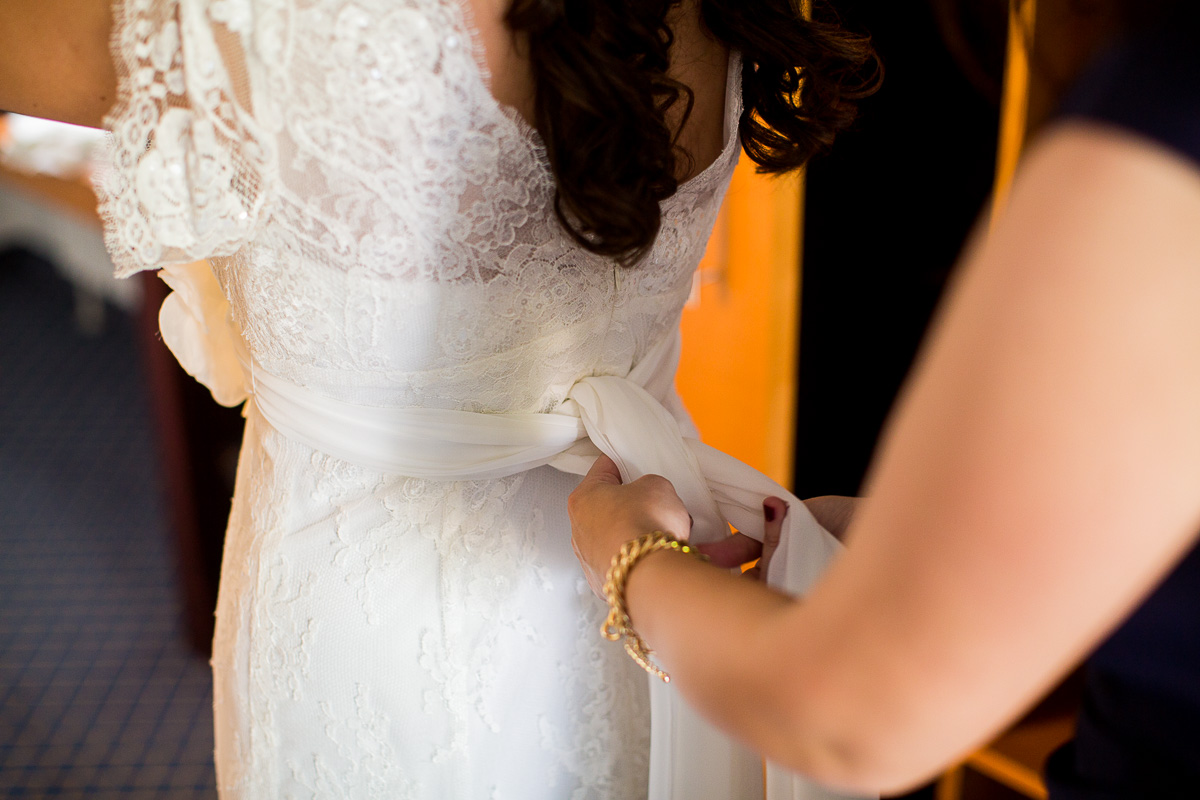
(409, 232)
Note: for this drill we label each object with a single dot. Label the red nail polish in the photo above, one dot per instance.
(769, 511)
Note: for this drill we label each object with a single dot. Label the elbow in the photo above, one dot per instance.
(853, 748)
(859, 724)
(857, 765)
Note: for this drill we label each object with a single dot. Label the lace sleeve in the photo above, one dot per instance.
(189, 166)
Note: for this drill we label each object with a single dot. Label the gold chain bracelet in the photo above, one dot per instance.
(618, 624)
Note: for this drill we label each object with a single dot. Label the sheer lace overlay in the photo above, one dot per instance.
(383, 233)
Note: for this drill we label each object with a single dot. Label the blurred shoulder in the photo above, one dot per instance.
(55, 60)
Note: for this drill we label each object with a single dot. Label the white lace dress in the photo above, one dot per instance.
(382, 233)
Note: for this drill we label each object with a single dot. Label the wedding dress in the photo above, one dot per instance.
(428, 357)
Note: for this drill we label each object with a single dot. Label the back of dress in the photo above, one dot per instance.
(387, 227)
(383, 233)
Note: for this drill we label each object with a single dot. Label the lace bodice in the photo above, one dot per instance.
(382, 228)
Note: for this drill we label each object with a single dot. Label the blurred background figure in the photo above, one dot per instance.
(106, 586)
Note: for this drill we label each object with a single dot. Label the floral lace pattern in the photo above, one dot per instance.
(382, 231)
(189, 163)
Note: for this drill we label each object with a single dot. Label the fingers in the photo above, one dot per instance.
(774, 511)
(606, 513)
(732, 551)
(595, 582)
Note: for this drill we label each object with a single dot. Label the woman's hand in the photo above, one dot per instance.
(606, 514)
(834, 512)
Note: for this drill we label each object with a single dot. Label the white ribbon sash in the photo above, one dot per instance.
(621, 417)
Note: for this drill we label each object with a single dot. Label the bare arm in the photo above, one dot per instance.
(55, 61)
(1040, 474)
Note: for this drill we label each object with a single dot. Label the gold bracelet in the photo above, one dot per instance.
(618, 624)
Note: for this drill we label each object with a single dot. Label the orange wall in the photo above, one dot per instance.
(738, 371)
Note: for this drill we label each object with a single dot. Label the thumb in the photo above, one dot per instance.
(732, 551)
(604, 470)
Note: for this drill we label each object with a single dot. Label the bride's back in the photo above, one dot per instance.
(382, 224)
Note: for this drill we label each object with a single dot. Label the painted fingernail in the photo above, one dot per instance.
(768, 511)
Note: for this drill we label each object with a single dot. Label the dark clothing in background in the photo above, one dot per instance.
(1139, 729)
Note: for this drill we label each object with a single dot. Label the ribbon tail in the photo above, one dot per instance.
(805, 548)
(689, 758)
(805, 551)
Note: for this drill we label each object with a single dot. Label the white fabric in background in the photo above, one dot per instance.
(75, 247)
(45, 147)
(73, 244)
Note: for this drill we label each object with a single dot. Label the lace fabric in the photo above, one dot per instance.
(337, 243)
(383, 234)
(188, 163)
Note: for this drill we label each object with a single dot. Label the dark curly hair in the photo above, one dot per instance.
(603, 94)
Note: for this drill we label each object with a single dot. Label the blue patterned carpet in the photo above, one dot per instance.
(100, 696)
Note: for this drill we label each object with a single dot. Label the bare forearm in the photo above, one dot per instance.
(703, 624)
(1037, 479)
(706, 625)
(54, 59)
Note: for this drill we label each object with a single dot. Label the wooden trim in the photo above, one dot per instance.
(1011, 773)
(950, 785)
(1014, 107)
